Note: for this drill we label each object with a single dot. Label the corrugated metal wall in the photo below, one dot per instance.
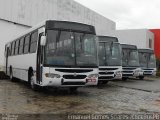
(31, 12)
(139, 37)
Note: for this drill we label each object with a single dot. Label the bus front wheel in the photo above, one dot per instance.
(141, 77)
(32, 83)
(11, 75)
(73, 89)
(124, 78)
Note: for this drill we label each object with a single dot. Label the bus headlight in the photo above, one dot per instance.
(154, 72)
(93, 76)
(138, 72)
(118, 72)
(52, 75)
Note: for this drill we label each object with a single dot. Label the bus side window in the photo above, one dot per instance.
(5, 50)
(33, 43)
(16, 47)
(13, 46)
(21, 44)
(26, 44)
(10, 50)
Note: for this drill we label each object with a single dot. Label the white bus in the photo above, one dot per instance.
(147, 62)
(54, 53)
(130, 62)
(110, 59)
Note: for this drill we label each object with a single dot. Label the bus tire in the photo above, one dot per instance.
(31, 81)
(124, 78)
(73, 89)
(102, 82)
(11, 75)
(141, 77)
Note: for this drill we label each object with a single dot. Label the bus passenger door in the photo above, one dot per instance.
(39, 68)
(6, 54)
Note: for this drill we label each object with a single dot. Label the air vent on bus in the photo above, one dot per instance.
(73, 83)
(129, 68)
(148, 69)
(108, 68)
(127, 71)
(106, 73)
(74, 76)
(105, 78)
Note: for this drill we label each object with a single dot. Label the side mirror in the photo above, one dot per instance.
(43, 40)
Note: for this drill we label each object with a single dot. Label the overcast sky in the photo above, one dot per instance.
(128, 14)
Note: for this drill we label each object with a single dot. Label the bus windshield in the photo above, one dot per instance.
(109, 54)
(143, 60)
(130, 58)
(147, 60)
(152, 61)
(73, 49)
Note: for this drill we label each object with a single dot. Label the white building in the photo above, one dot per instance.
(16, 16)
(143, 38)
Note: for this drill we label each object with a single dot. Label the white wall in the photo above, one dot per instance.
(7, 32)
(31, 12)
(139, 37)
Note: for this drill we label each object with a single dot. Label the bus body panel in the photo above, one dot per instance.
(20, 69)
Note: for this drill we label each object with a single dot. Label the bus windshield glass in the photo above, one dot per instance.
(147, 60)
(109, 54)
(143, 60)
(73, 49)
(152, 61)
(130, 58)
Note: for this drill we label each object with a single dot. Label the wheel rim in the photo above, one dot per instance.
(11, 76)
(32, 83)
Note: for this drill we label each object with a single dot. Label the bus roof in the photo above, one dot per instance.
(107, 39)
(70, 26)
(145, 51)
(65, 25)
(127, 46)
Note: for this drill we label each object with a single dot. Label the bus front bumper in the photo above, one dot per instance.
(61, 82)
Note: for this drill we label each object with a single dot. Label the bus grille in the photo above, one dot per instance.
(74, 77)
(108, 68)
(148, 69)
(105, 77)
(129, 68)
(106, 73)
(73, 83)
(74, 70)
(147, 72)
(127, 71)
(127, 75)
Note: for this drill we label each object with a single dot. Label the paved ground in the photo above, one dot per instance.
(132, 96)
(148, 84)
